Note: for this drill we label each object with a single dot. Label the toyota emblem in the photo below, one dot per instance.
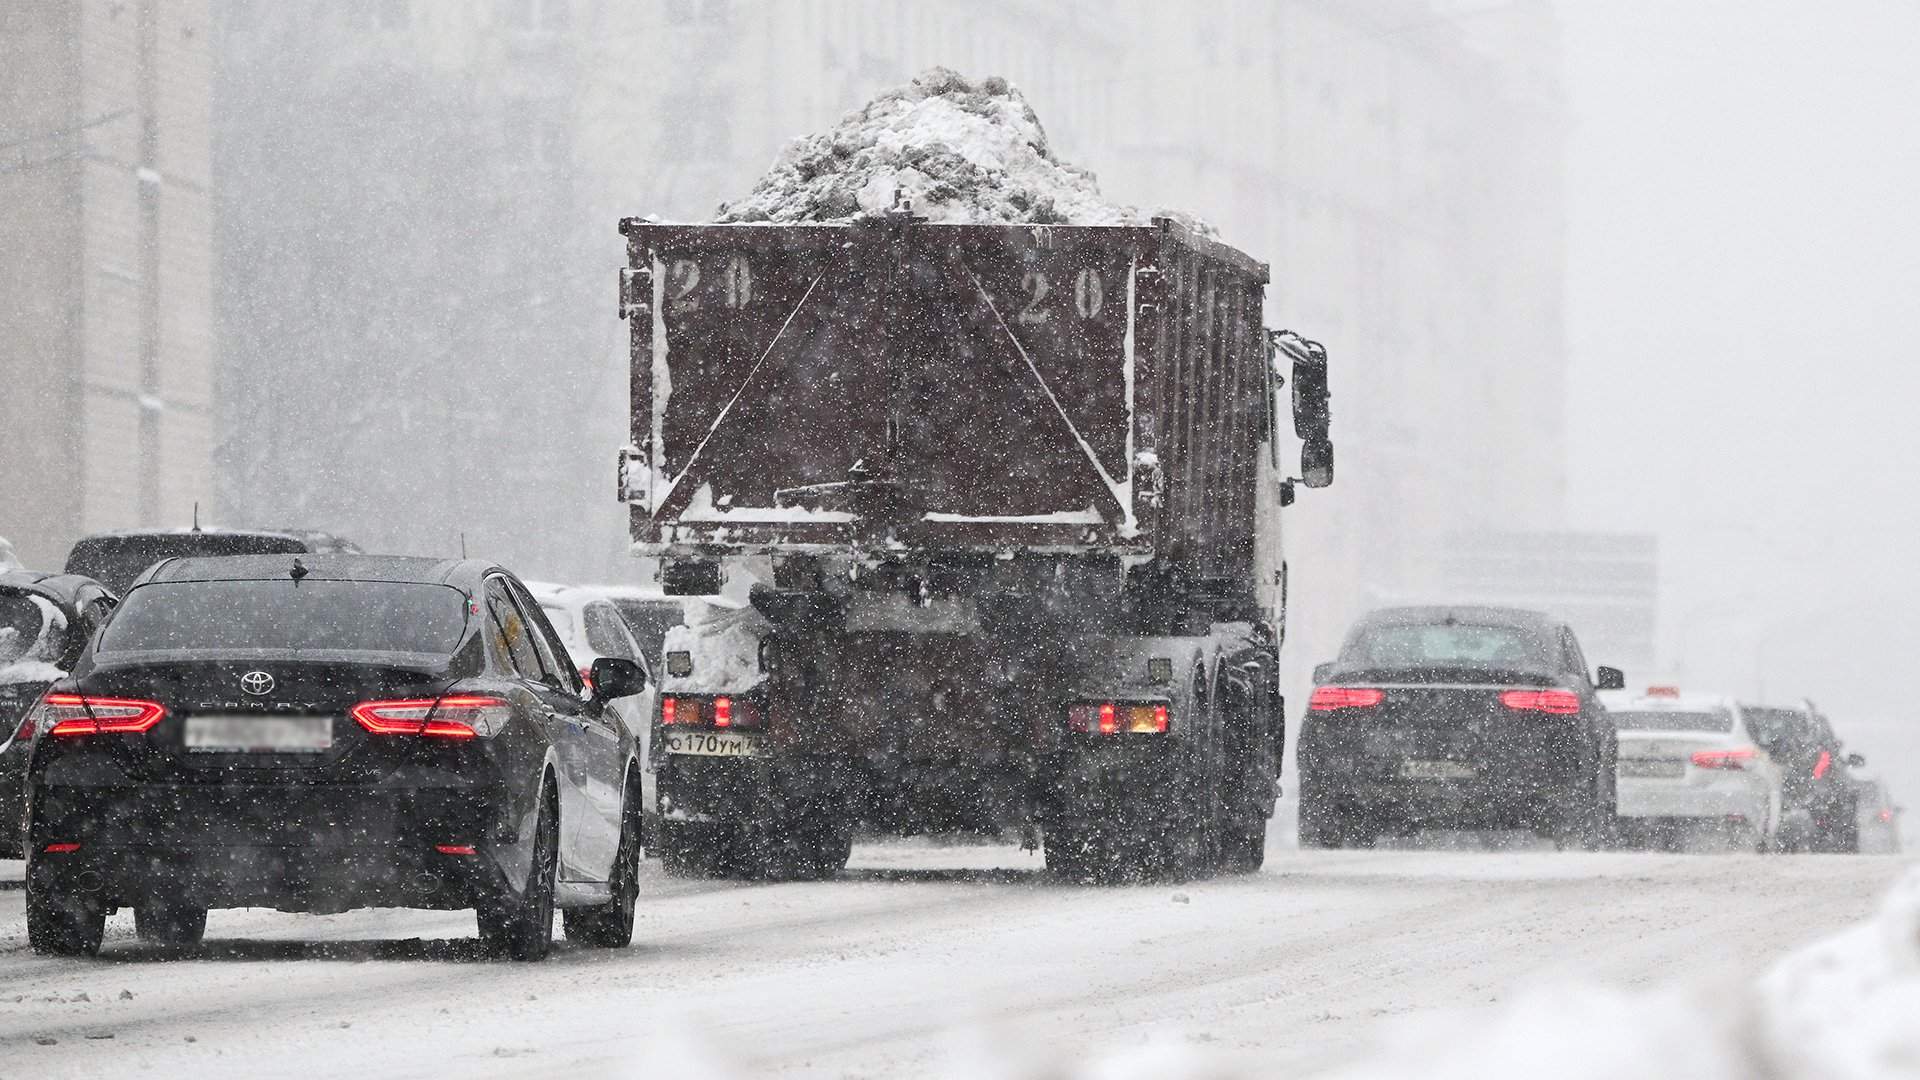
(257, 683)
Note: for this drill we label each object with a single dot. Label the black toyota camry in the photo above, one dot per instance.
(1457, 718)
(325, 732)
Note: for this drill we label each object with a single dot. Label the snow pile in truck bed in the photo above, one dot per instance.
(958, 152)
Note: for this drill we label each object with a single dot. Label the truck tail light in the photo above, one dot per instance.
(716, 712)
(72, 714)
(1724, 759)
(1821, 766)
(1118, 717)
(455, 716)
(1334, 698)
(1554, 702)
(62, 848)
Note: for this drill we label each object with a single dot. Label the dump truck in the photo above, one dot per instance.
(1003, 503)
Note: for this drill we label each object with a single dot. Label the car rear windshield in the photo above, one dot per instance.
(115, 561)
(1446, 645)
(279, 614)
(1673, 720)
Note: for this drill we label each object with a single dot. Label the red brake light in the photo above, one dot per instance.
(586, 676)
(723, 712)
(1555, 702)
(454, 849)
(1331, 698)
(1886, 814)
(60, 849)
(1114, 718)
(456, 716)
(72, 714)
(668, 708)
(1820, 767)
(1724, 759)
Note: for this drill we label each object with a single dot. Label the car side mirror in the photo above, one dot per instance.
(1856, 761)
(614, 677)
(1321, 672)
(1610, 678)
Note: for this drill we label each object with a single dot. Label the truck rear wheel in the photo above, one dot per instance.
(1243, 849)
(812, 849)
(696, 849)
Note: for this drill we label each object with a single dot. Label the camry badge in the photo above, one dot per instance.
(257, 683)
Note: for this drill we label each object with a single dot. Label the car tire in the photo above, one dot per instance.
(166, 922)
(1320, 825)
(520, 926)
(610, 925)
(1243, 850)
(63, 924)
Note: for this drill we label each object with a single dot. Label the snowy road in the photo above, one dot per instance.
(908, 966)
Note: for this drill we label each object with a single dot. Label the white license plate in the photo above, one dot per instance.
(1652, 767)
(711, 743)
(247, 733)
(1437, 770)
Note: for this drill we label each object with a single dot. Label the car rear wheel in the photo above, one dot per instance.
(63, 924)
(167, 922)
(520, 927)
(610, 925)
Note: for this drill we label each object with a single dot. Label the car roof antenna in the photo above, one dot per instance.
(196, 515)
(299, 571)
(463, 544)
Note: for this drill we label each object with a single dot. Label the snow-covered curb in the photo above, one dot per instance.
(1846, 1006)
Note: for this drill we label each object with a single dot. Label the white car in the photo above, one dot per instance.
(1693, 761)
(592, 627)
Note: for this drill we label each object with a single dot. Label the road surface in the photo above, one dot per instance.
(924, 960)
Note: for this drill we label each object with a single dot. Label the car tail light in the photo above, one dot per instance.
(1820, 767)
(718, 712)
(1724, 759)
(61, 848)
(1332, 698)
(1886, 814)
(455, 716)
(1118, 717)
(1555, 702)
(586, 676)
(454, 849)
(74, 714)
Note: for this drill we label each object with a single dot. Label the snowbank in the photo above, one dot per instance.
(723, 643)
(1847, 1006)
(8, 560)
(956, 151)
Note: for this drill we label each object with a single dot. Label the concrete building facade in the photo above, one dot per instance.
(106, 353)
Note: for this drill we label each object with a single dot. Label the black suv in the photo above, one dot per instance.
(45, 621)
(116, 558)
(1818, 793)
(325, 732)
(1457, 718)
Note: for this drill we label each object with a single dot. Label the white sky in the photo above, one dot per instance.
(1744, 265)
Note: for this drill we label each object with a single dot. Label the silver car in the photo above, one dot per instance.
(1690, 763)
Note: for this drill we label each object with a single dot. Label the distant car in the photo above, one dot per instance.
(45, 620)
(326, 733)
(1822, 812)
(592, 627)
(115, 558)
(1694, 761)
(649, 613)
(1879, 817)
(1457, 718)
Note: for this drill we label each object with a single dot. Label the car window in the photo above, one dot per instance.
(562, 673)
(31, 628)
(1571, 657)
(1446, 644)
(606, 632)
(1673, 719)
(508, 631)
(282, 614)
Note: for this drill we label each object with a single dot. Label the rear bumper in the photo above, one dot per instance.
(1719, 797)
(320, 848)
(1518, 783)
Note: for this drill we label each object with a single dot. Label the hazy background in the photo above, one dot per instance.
(1626, 280)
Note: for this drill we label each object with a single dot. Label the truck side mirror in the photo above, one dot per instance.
(1321, 672)
(1610, 678)
(1312, 409)
(1856, 761)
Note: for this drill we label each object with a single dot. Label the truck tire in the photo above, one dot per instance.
(814, 848)
(63, 924)
(169, 923)
(1243, 848)
(696, 849)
